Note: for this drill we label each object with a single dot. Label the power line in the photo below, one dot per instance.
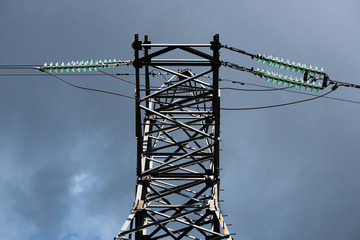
(112, 75)
(253, 90)
(103, 91)
(267, 88)
(78, 74)
(59, 74)
(280, 63)
(239, 51)
(24, 66)
(29, 66)
(278, 105)
(115, 75)
(93, 74)
(89, 89)
(289, 90)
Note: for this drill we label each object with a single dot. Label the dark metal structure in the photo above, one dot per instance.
(177, 131)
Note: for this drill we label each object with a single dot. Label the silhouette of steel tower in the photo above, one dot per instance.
(177, 131)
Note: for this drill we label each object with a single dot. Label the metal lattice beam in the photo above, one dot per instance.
(177, 130)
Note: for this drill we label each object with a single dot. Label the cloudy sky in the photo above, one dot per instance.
(67, 156)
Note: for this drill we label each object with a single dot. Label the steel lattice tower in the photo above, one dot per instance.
(177, 131)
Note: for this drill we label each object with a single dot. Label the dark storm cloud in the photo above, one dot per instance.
(67, 156)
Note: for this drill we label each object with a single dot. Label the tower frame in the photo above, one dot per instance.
(178, 135)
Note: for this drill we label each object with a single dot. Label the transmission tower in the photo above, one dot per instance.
(177, 131)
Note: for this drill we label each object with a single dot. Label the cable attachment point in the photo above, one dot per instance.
(39, 68)
(336, 85)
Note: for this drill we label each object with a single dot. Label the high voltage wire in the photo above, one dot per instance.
(266, 88)
(278, 105)
(103, 91)
(67, 74)
(306, 82)
(275, 62)
(289, 90)
(124, 80)
(253, 90)
(19, 66)
(232, 109)
(83, 66)
(317, 74)
(89, 89)
(278, 78)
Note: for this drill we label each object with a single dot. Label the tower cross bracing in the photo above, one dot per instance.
(177, 131)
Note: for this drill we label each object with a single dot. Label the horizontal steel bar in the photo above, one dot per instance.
(180, 176)
(177, 178)
(186, 112)
(172, 96)
(194, 120)
(175, 127)
(184, 165)
(169, 124)
(179, 90)
(174, 45)
(179, 60)
(173, 206)
(188, 155)
(156, 63)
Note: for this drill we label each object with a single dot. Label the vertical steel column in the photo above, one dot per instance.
(139, 218)
(177, 130)
(147, 73)
(137, 47)
(147, 92)
(215, 46)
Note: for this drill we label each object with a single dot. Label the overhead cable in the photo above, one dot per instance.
(288, 90)
(277, 105)
(88, 89)
(18, 66)
(114, 76)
